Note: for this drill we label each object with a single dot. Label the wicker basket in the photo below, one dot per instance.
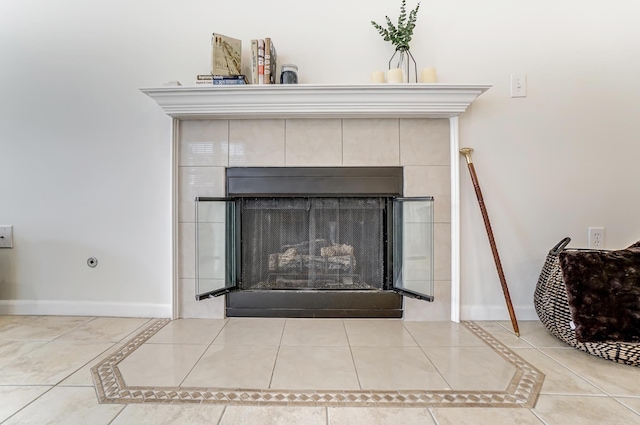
(552, 306)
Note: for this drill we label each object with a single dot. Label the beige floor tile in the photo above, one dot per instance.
(50, 363)
(105, 329)
(184, 414)
(613, 378)
(376, 333)
(322, 368)
(13, 349)
(396, 368)
(234, 366)
(558, 379)
(188, 331)
(471, 368)
(378, 416)
(13, 399)
(82, 377)
(251, 332)
(274, 415)
(66, 405)
(314, 332)
(631, 403)
(506, 336)
(583, 410)
(160, 364)
(40, 327)
(535, 333)
(443, 334)
(485, 416)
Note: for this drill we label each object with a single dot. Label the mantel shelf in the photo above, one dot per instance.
(317, 101)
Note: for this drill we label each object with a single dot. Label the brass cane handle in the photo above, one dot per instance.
(467, 154)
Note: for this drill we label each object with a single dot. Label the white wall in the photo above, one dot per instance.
(85, 157)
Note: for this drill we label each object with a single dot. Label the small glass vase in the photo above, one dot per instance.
(405, 62)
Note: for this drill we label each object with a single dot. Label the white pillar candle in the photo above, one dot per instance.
(377, 77)
(428, 75)
(394, 76)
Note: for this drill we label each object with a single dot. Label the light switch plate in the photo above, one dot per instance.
(6, 236)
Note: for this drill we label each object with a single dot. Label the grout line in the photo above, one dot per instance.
(429, 358)
(94, 359)
(628, 407)
(201, 355)
(533, 411)
(118, 414)
(433, 416)
(353, 360)
(224, 412)
(73, 329)
(28, 404)
(571, 370)
(275, 361)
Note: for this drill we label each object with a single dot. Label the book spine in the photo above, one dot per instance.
(254, 61)
(227, 82)
(209, 77)
(274, 64)
(267, 60)
(260, 61)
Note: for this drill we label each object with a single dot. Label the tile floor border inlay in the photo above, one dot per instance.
(522, 391)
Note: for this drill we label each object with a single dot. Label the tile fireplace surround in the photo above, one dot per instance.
(412, 125)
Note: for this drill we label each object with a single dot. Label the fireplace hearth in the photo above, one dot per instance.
(314, 242)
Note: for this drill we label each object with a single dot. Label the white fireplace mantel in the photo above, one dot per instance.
(317, 100)
(333, 101)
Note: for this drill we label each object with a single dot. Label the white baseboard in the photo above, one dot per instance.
(83, 308)
(495, 312)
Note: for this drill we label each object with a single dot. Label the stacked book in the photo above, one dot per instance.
(220, 80)
(226, 62)
(264, 59)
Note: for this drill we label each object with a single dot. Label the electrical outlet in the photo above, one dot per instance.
(596, 237)
(518, 85)
(6, 236)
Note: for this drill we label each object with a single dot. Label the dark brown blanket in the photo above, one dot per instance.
(603, 290)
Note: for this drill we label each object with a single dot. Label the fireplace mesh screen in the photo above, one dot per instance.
(313, 243)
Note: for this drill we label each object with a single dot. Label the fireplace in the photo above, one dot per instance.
(415, 126)
(314, 242)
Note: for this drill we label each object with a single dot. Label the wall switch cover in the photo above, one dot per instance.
(6, 236)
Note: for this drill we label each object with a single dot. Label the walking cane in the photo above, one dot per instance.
(496, 258)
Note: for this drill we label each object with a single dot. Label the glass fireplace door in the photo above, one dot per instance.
(215, 246)
(413, 247)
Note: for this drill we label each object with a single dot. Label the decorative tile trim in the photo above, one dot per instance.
(522, 391)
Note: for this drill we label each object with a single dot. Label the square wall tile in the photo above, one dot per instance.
(255, 143)
(370, 142)
(424, 311)
(431, 181)
(442, 251)
(424, 142)
(313, 142)
(204, 143)
(186, 250)
(198, 181)
(189, 308)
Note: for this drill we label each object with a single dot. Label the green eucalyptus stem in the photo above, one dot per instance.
(399, 35)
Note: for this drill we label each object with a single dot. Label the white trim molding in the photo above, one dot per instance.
(317, 101)
(83, 308)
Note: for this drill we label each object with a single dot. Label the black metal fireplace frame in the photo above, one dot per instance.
(310, 182)
(243, 182)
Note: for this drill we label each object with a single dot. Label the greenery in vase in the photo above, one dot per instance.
(399, 35)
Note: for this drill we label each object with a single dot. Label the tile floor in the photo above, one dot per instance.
(46, 371)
